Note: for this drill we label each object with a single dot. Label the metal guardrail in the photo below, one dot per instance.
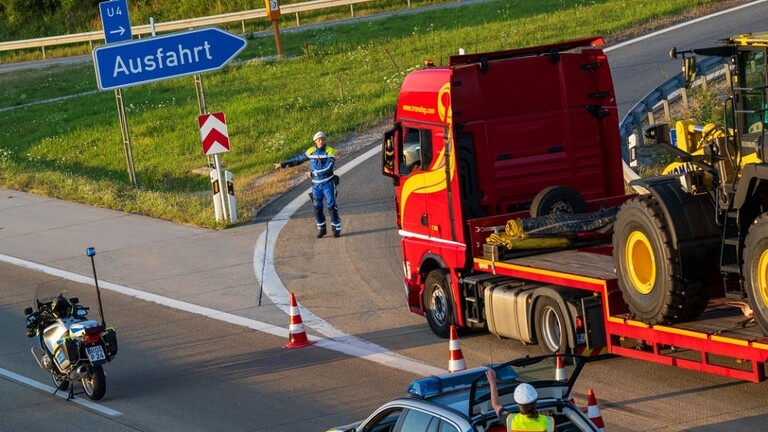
(632, 123)
(187, 24)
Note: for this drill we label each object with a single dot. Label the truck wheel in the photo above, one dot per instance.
(557, 200)
(438, 307)
(647, 271)
(551, 327)
(756, 271)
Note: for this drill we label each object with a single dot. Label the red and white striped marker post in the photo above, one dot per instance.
(297, 337)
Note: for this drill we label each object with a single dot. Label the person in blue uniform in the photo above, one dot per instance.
(321, 159)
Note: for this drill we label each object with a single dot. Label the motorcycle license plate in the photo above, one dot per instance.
(95, 353)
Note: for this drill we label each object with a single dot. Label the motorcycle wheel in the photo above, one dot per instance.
(59, 383)
(95, 385)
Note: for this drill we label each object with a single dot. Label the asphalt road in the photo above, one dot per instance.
(177, 371)
(360, 275)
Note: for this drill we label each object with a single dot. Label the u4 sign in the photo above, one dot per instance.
(213, 132)
(115, 20)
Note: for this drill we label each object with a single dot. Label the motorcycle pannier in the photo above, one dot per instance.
(110, 340)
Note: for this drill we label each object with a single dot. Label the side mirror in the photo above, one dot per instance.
(658, 133)
(29, 311)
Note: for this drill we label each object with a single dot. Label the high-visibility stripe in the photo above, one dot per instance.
(732, 341)
(542, 272)
(681, 332)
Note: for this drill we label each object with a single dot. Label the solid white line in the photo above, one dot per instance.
(681, 25)
(264, 250)
(62, 394)
(342, 342)
(264, 269)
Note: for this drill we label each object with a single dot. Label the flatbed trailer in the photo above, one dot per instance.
(721, 341)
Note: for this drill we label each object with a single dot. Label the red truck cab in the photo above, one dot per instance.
(484, 136)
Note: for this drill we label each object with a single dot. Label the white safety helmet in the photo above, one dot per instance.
(525, 394)
(318, 135)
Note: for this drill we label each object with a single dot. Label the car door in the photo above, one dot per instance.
(413, 420)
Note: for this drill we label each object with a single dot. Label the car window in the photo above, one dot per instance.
(417, 421)
(447, 427)
(384, 422)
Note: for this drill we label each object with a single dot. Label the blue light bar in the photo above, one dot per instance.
(435, 385)
(425, 387)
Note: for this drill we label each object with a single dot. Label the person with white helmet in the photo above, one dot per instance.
(321, 159)
(528, 419)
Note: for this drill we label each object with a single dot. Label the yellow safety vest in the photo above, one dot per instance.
(523, 423)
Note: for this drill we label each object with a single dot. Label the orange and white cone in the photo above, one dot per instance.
(455, 357)
(561, 374)
(593, 412)
(297, 337)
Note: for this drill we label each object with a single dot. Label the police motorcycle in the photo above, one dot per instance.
(70, 346)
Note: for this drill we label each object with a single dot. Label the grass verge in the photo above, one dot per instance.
(343, 80)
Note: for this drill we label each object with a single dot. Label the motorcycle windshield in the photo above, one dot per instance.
(47, 292)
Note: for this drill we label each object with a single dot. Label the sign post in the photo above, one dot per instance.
(273, 14)
(117, 28)
(215, 139)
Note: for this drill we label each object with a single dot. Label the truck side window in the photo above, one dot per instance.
(426, 148)
(753, 65)
(410, 159)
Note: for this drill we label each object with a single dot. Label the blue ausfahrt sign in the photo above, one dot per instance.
(164, 57)
(115, 21)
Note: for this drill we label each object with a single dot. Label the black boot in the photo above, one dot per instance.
(335, 221)
(320, 221)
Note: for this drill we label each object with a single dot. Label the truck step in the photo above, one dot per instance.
(730, 268)
(736, 294)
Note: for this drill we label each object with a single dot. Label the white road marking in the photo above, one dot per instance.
(62, 394)
(263, 255)
(264, 269)
(681, 25)
(341, 342)
(263, 263)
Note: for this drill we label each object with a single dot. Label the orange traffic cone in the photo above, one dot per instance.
(561, 374)
(297, 335)
(455, 357)
(593, 412)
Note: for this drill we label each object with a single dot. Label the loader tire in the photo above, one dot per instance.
(647, 269)
(756, 270)
(438, 307)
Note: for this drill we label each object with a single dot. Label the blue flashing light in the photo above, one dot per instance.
(506, 374)
(425, 387)
(91, 251)
(435, 385)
